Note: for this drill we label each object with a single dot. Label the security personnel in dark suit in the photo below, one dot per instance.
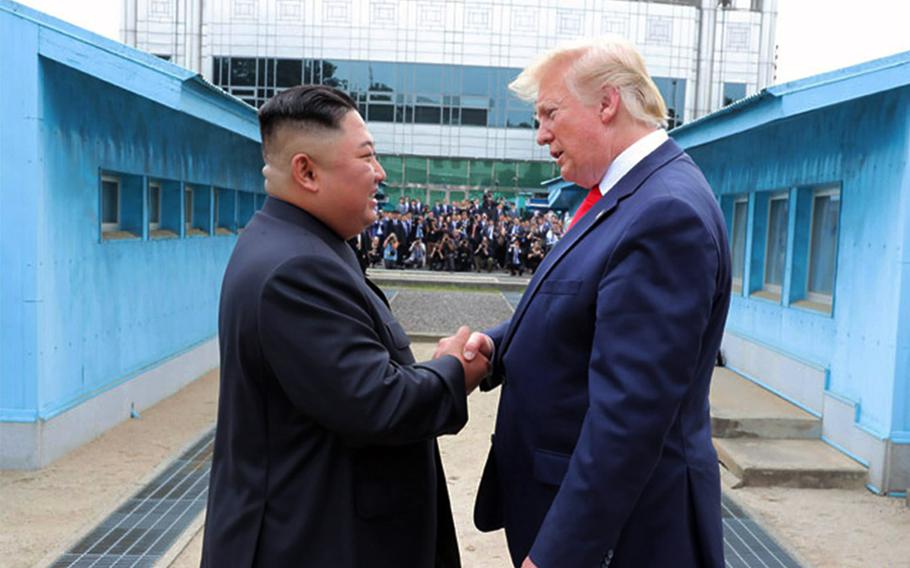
(325, 452)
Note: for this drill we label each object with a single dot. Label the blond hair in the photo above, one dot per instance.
(595, 63)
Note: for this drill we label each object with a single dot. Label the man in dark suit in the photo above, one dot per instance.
(325, 451)
(602, 452)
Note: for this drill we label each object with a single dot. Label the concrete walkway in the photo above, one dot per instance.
(44, 512)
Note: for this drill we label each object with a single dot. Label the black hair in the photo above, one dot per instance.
(308, 104)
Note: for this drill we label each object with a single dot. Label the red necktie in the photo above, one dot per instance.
(589, 202)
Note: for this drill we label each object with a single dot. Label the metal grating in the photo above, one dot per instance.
(143, 528)
(747, 545)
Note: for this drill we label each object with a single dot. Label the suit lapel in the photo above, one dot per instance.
(664, 154)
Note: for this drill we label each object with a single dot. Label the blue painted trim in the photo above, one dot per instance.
(877, 435)
(796, 403)
(845, 451)
(97, 56)
(878, 492)
(797, 97)
(814, 364)
(900, 438)
(50, 412)
(17, 415)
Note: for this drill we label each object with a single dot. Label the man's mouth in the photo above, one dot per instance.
(556, 155)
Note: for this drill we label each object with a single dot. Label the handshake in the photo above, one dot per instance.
(473, 349)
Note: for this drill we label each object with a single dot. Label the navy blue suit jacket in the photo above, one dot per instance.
(602, 452)
(325, 453)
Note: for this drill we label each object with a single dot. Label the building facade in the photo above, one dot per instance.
(124, 180)
(814, 179)
(431, 76)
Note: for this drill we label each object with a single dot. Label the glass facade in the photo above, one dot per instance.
(408, 93)
(418, 93)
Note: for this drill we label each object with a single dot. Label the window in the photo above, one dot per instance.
(188, 209)
(110, 203)
(738, 241)
(823, 245)
(246, 205)
(121, 206)
(673, 91)
(154, 206)
(395, 92)
(225, 211)
(733, 92)
(776, 244)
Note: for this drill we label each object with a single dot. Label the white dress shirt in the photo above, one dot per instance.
(630, 157)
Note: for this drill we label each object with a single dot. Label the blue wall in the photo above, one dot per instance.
(20, 158)
(863, 145)
(81, 314)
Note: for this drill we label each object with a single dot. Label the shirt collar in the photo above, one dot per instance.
(630, 157)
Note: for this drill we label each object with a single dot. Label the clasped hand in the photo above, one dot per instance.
(473, 350)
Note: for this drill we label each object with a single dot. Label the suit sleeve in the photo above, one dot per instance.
(321, 345)
(496, 333)
(654, 301)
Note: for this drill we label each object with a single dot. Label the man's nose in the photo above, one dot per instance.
(380, 172)
(544, 136)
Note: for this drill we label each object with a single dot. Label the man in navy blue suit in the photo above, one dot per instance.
(602, 451)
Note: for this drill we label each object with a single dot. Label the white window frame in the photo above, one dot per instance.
(830, 191)
(154, 226)
(738, 279)
(774, 288)
(106, 227)
(188, 208)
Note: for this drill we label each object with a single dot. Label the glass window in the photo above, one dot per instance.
(673, 91)
(427, 115)
(382, 76)
(776, 250)
(733, 92)
(427, 79)
(475, 81)
(381, 112)
(243, 71)
(110, 203)
(823, 245)
(288, 73)
(474, 116)
(154, 206)
(188, 208)
(738, 242)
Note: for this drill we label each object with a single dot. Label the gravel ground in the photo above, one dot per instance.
(443, 311)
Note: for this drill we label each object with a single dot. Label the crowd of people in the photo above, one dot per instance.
(468, 236)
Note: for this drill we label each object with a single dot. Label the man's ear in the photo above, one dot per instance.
(303, 172)
(609, 104)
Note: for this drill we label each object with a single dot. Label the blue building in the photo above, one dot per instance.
(814, 179)
(124, 180)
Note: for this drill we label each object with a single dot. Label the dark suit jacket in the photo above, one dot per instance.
(324, 453)
(602, 451)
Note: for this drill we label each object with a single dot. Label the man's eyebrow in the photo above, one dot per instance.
(366, 143)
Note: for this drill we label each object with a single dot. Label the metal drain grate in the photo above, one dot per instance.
(747, 545)
(141, 530)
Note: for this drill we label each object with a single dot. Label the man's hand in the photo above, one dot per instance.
(528, 563)
(478, 343)
(475, 368)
